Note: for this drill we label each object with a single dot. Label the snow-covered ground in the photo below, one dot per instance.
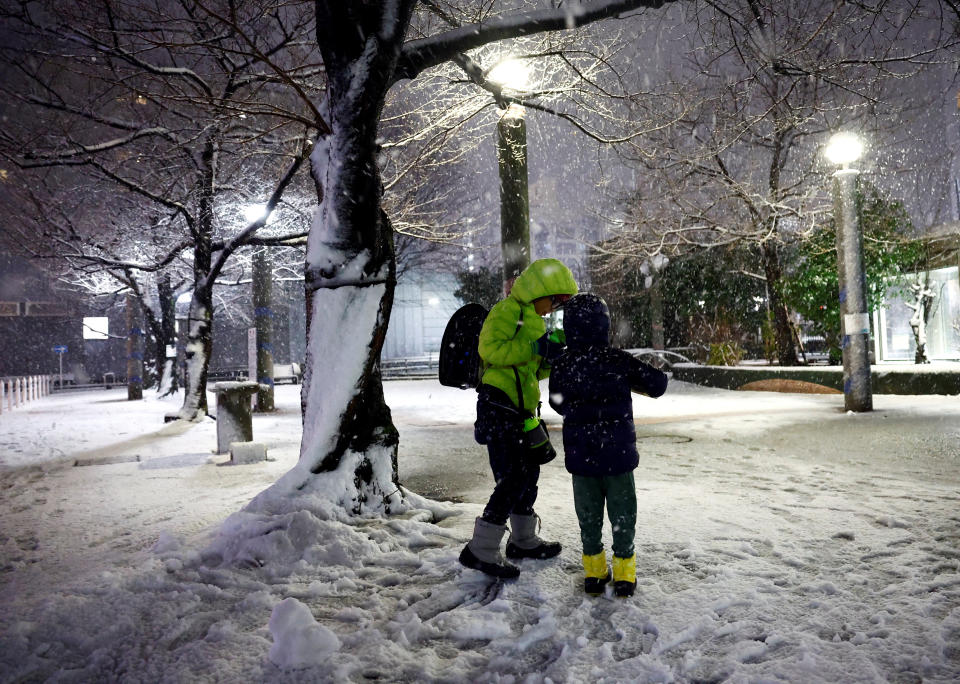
(779, 540)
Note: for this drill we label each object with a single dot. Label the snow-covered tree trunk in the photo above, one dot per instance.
(197, 350)
(200, 321)
(783, 334)
(349, 447)
(166, 325)
(923, 296)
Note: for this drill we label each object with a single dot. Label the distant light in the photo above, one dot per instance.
(510, 73)
(844, 148)
(254, 212)
(433, 301)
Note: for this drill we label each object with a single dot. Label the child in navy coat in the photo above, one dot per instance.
(590, 387)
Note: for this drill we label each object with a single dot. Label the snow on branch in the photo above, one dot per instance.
(43, 159)
(144, 192)
(247, 233)
(116, 50)
(424, 53)
(282, 74)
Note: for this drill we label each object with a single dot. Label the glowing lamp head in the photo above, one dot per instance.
(254, 212)
(510, 73)
(844, 148)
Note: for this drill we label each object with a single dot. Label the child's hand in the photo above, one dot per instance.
(547, 348)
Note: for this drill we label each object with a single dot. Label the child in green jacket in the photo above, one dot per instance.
(515, 350)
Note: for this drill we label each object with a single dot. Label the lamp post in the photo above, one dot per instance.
(512, 162)
(262, 285)
(651, 268)
(262, 294)
(842, 150)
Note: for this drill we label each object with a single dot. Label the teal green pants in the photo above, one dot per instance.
(620, 496)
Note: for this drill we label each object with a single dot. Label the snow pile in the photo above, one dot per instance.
(298, 641)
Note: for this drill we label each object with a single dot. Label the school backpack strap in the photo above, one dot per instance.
(516, 375)
(516, 371)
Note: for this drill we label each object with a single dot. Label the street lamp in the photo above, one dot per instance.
(842, 150)
(651, 269)
(255, 212)
(512, 74)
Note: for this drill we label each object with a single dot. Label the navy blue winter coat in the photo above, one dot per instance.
(590, 387)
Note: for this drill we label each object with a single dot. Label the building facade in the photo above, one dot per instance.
(422, 305)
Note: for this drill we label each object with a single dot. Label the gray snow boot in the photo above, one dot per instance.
(524, 542)
(483, 551)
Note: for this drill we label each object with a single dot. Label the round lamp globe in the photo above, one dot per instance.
(844, 148)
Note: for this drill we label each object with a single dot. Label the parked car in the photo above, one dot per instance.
(815, 349)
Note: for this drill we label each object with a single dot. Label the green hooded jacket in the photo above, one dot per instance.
(511, 328)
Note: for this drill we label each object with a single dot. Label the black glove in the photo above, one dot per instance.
(539, 450)
(548, 348)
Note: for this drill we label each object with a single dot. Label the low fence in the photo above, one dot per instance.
(410, 368)
(18, 390)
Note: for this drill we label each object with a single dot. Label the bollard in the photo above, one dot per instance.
(234, 417)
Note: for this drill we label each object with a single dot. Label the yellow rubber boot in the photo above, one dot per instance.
(624, 576)
(596, 573)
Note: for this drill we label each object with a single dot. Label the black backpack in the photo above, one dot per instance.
(459, 364)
